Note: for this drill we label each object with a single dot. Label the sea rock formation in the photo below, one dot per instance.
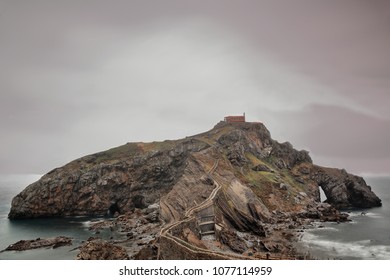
(53, 242)
(344, 190)
(235, 174)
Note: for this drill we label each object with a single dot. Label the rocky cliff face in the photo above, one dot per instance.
(139, 174)
(262, 183)
(131, 176)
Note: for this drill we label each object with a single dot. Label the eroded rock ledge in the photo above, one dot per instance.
(98, 249)
(53, 242)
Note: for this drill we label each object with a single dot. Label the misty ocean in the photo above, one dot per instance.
(366, 237)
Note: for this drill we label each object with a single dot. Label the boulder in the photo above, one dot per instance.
(149, 252)
(191, 238)
(233, 241)
(262, 167)
(98, 249)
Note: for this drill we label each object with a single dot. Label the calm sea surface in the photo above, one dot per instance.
(13, 231)
(366, 237)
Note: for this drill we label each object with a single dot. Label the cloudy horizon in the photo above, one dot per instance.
(79, 77)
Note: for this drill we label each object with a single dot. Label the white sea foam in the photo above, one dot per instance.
(354, 214)
(361, 215)
(322, 229)
(363, 249)
(87, 224)
(90, 223)
(373, 215)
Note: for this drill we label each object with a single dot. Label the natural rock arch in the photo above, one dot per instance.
(344, 190)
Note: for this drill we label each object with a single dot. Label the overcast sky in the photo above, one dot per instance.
(78, 77)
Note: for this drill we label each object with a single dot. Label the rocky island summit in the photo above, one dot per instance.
(230, 193)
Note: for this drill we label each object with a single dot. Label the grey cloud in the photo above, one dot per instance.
(82, 76)
(343, 133)
(335, 131)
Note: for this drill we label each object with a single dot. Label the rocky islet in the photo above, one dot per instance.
(268, 191)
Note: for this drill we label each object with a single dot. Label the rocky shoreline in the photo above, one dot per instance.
(53, 242)
(139, 235)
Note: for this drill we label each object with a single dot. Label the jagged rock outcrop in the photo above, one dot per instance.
(342, 190)
(264, 188)
(53, 242)
(288, 156)
(233, 241)
(191, 238)
(98, 249)
(323, 212)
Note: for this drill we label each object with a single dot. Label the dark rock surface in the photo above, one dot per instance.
(133, 231)
(98, 249)
(233, 241)
(53, 242)
(191, 238)
(323, 212)
(118, 178)
(149, 252)
(342, 189)
(289, 155)
(262, 167)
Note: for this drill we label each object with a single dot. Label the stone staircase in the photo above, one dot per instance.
(206, 225)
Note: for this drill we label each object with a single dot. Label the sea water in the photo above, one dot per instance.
(12, 231)
(367, 236)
